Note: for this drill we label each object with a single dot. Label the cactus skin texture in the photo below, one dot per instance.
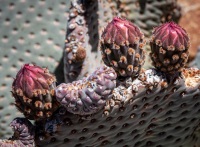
(89, 95)
(151, 111)
(121, 47)
(169, 47)
(50, 35)
(154, 109)
(24, 134)
(33, 90)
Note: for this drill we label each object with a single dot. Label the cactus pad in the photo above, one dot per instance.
(154, 110)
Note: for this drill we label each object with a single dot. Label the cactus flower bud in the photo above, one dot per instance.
(33, 90)
(169, 47)
(121, 47)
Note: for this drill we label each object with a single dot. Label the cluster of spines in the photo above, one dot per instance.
(121, 47)
(89, 95)
(33, 90)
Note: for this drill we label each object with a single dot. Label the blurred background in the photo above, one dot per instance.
(190, 22)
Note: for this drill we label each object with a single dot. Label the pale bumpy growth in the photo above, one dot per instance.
(88, 95)
(169, 47)
(33, 90)
(121, 47)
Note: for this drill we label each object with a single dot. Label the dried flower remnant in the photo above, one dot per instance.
(121, 47)
(169, 47)
(33, 90)
(89, 95)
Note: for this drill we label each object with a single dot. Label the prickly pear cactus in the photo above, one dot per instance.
(154, 107)
(31, 32)
(157, 108)
(169, 47)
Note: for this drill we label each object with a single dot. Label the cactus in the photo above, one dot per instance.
(27, 39)
(85, 24)
(76, 43)
(151, 111)
(155, 108)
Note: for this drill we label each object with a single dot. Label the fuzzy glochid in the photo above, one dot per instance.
(169, 47)
(89, 95)
(33, 90)
(122, 47)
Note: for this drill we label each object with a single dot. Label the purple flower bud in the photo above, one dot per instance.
(121, 31)
(169, 46)
(33, 92)
(121, 47)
